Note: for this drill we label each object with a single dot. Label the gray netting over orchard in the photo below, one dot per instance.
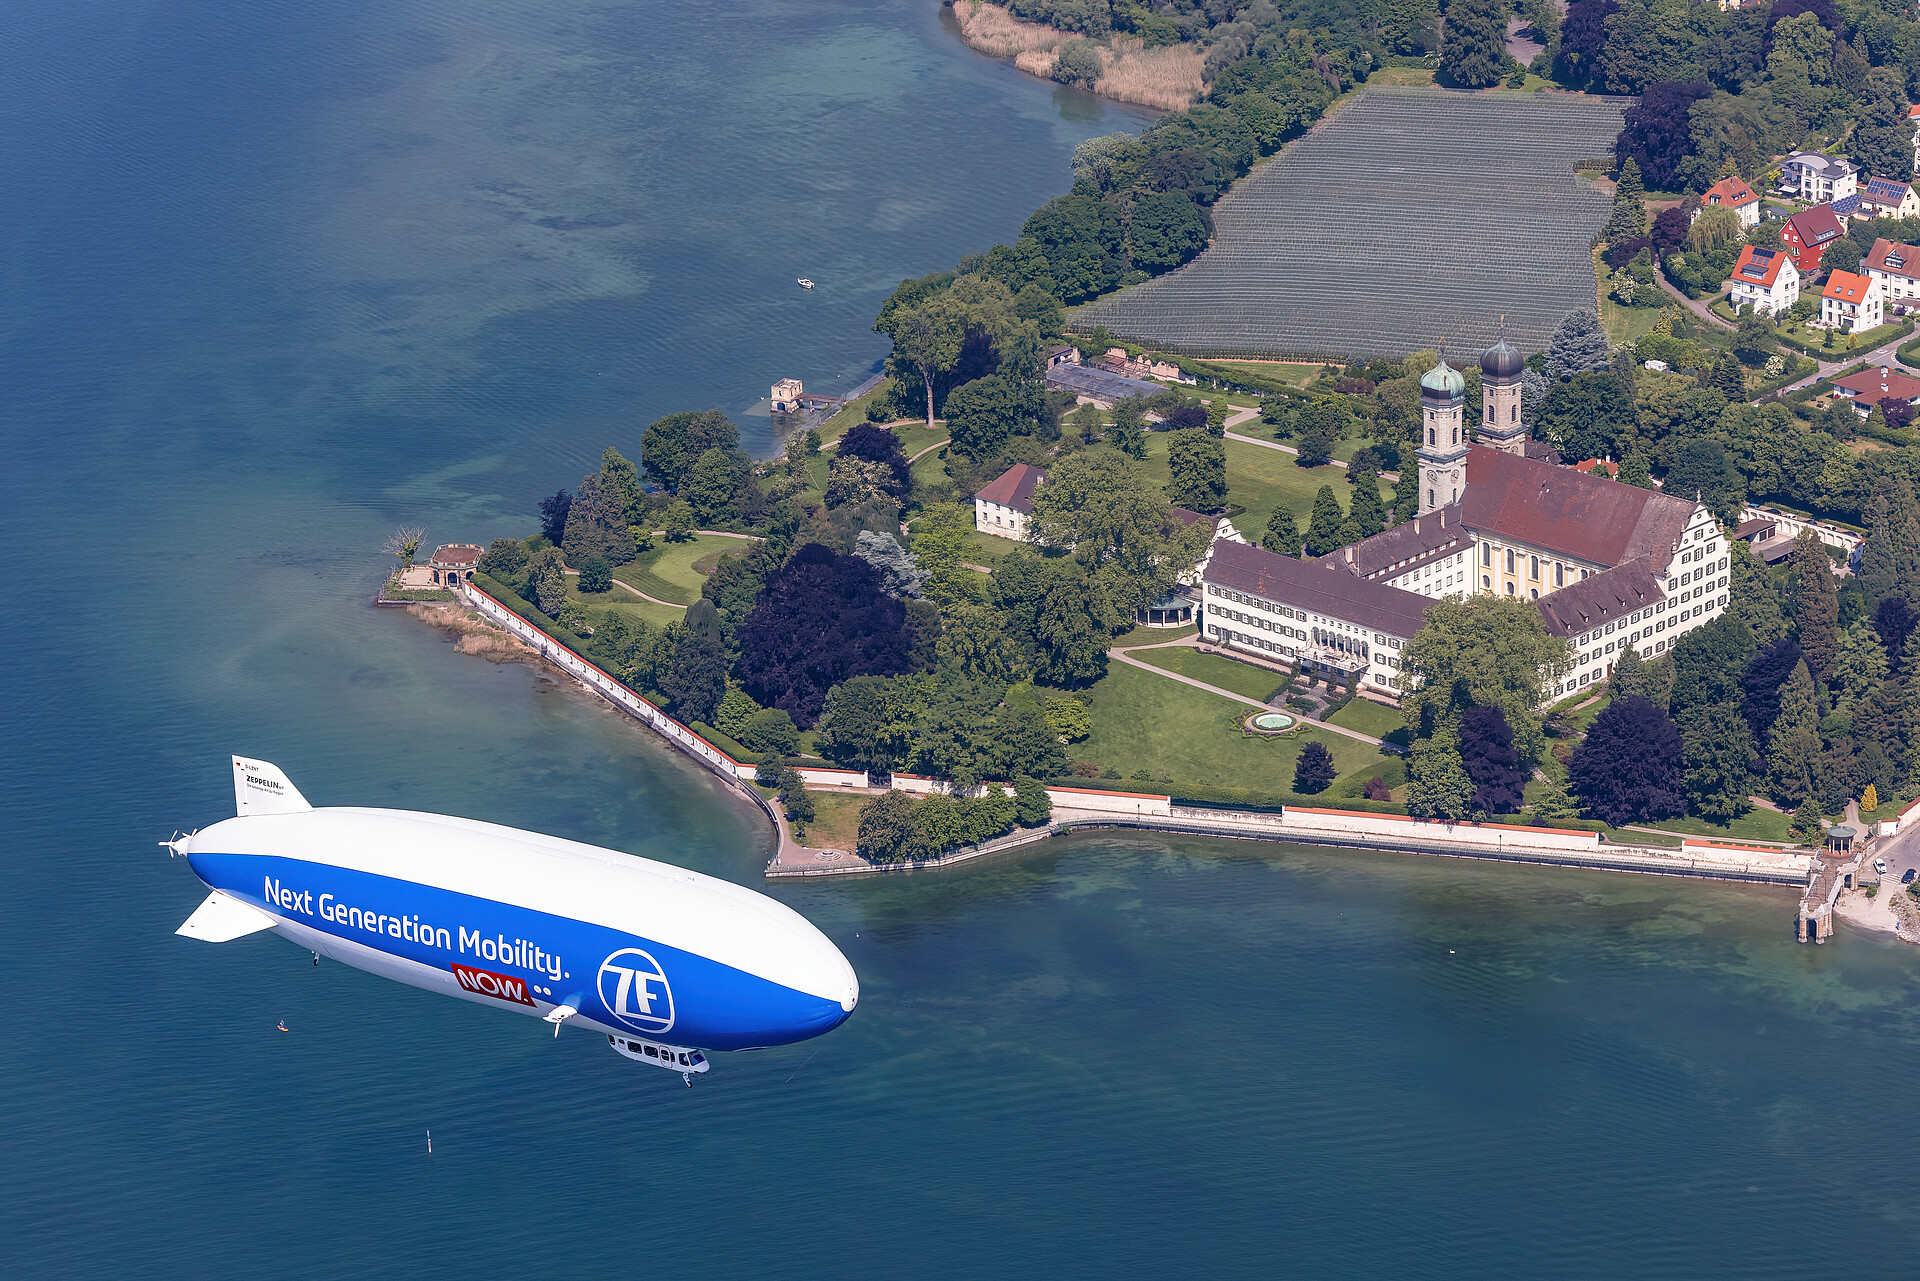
(1410, 216)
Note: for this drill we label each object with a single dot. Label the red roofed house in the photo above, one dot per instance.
(1807, 235)
(1734, 194)
(1599, 467)
(1897, 268)
(1765, 280)
(1850, 303)
(1870, 387)
(1002, 507)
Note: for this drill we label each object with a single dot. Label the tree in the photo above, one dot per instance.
(1482, 651)
(1793, 745)
(887, 829)
(1578, 345)
(1634, 471)
(1730, 378)
(1760, 686)
(1659, 132)
(877, 444)
(1032, 807)
(1816, 604)
(1629, 768)
(1628, 220)
(1893, 623)
(939, 549)
(1324, 529)
(404, 544)
(670, 446)
(505, 558)
(1707, 665)
(1702, 468)
(1067, 718)
(1842, 255)
(597, 525)
(1321, 424)
(1486, 752)
(546, 581)
(1473, 50)
(1283, 532)
(982, 414)
(852, 481)
(929, 339)
(1751, 596)
(553, 516)
(1120, 531)
(698, 678)
(596, 575)
(1754, 339)
(679, 522)
(821, 618)
(1166, 230)
(900, 575)
(1882, 143)
(771, 729)
(712, 486)
(1629, 676)
(1197, 465)
(1313, 769)
(1716, 227)
(1869, 799)
(1718, 758)
(1438, 785)
(1077, 62)
(1858, 667)
(867, 723)
(620, 481)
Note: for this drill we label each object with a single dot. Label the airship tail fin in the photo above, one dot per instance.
(260, 788)
(222, 919)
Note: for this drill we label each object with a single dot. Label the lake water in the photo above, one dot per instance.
(275, 278)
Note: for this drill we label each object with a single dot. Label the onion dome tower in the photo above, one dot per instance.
(1443, 446)
(1501, 367)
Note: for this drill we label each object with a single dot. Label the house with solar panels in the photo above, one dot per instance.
(1764, 279)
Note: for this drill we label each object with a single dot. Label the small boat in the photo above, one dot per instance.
(805, 283)
(284, 1027)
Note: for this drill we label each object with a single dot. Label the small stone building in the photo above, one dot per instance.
(454, 563)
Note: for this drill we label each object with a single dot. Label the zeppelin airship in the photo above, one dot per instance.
(666, 963)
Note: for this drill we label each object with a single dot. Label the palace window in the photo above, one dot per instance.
(1509, 560)
(1533, 569)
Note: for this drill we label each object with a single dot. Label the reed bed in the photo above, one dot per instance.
(1170, 77)
(991, 29)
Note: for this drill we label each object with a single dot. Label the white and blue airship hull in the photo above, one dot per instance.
(650, 954)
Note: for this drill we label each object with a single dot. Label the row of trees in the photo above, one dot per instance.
(1724, 91)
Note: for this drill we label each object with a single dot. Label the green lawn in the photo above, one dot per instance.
(1369, 717)
(666, 570)
(1151, 636)
(987, 549)
(1281, 370)
(1757, 824)
(619, 598)
(1256, 683)
(1145, 722)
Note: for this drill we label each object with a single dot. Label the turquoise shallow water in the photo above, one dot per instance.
(274, 279)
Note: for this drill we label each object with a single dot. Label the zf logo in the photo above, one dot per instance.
(634, 989)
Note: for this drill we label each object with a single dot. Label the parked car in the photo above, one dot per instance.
(1880, 866)
(1906, 877)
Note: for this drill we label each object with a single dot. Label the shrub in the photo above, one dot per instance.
(1313, 769)
(1376, 790)
(596, 574)
(771, 729)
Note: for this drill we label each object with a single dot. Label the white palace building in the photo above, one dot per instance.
(1607, 565)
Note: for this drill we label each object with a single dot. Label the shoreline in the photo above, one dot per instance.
(1169, 78)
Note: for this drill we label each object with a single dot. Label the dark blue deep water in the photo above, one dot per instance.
(276, 277)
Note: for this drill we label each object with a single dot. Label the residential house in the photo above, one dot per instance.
(1887, 198)
(1002, 508)
(1850, 303)
(1847, 208)
(1734, 194)
(1870, 387)
(1913, 117)
(1062, 356)
(1807, 235)
(1765, 280)
(1819, 178)
(1897, 268)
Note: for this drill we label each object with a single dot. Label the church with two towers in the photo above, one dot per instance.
(1607, 565)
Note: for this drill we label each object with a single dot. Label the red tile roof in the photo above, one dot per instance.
(1893, 258)
(1015, 487)
(1731, 192)
(1875, 385)
(1593, 466)
(1758, 266)
(1560, 510)
(1844, 286)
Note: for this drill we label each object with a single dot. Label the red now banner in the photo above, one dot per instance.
(502, 987)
